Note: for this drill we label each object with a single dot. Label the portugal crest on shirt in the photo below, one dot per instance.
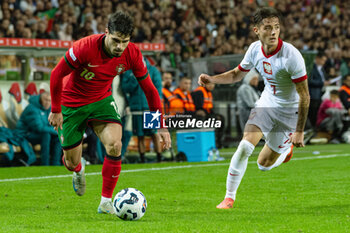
(120, 69)
(267, 67)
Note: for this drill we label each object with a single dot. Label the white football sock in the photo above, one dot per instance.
(105, 199)
(237, 168)
(281, 158)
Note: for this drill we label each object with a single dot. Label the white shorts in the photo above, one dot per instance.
(275, 125)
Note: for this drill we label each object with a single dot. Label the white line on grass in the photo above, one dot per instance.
(165, 168)
(294, 152)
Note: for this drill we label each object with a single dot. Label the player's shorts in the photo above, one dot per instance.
(137, 126)
(275, 125)
(76, 119)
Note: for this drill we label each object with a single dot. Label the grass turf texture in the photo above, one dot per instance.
(311, 195)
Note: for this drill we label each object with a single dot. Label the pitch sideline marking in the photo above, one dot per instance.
(165, 168)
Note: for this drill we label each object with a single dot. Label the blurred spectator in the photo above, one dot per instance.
(27, 5)
(67, 33)
(138, 103)
(54, 33)
(91, 151)
(169, 100)
(345, 67)
(344, 94)
(203, 99)
(15, 138)
(329, 117)
(7, 28)
(183, 93)
(44, 87)
(42, 33)
(20, 26)
(317, 80)
(247, 95)
(35, 127)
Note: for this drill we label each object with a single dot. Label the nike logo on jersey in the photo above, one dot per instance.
(280, 146)
(89, 65)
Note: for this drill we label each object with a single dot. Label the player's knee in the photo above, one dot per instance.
(114, 149)
(264, 167)
(246, 148)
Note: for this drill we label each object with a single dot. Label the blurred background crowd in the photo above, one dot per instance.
(189, 29)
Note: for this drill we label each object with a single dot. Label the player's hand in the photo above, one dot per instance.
(165, 138)
(297, 139)
(56, 120)
(203, 79)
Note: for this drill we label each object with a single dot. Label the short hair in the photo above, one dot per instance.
(185, 77)
(121, 22)
(334, 92)
(264, 13)
(320, 54)
(167, 72)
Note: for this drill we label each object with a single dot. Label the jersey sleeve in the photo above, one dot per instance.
(296, 66)
(76, 55)
(247, 62)
(139, 67)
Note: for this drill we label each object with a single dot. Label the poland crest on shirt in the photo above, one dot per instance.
(279, 70)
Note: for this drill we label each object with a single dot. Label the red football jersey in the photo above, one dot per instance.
(94, 70)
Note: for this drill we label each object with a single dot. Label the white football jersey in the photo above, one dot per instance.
(279, 70)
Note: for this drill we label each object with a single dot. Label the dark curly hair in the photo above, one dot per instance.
(266, 12)
(121, 22)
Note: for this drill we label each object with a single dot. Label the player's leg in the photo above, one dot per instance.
(110, 135)
(278, 148)
(56, 151)
(71, 136)
(269, 159)
(141, 147)
(157, 145)
(73, 162)
(239, 162)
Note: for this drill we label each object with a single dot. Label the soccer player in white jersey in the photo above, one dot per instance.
(281, 112)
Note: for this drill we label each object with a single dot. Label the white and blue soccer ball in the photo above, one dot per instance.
(130, 204)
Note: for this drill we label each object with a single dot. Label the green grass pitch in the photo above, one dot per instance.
(311, 193)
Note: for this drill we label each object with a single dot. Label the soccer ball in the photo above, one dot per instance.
(130, 204)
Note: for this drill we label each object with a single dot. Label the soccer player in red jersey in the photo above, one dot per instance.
(90, 66)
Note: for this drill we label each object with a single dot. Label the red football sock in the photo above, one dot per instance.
(110, 174)
(76, 169)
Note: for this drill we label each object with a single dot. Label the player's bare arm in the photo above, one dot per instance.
(231, 76)
(297, 137)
